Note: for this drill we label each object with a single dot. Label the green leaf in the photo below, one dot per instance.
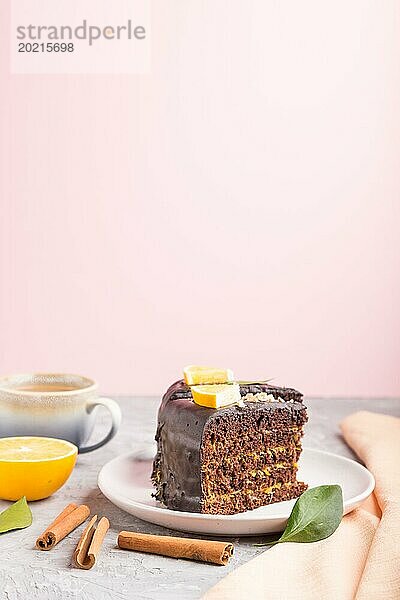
(315, 516)
(16, 516)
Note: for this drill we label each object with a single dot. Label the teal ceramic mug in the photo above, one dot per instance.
(57, 405)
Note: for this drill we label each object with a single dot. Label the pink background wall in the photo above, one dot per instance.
(237, 206)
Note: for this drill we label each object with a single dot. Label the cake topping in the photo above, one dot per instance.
(196, 375)
(262, 397)
(217, 388)
(217, 395)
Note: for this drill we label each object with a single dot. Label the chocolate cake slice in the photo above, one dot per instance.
(228, 460)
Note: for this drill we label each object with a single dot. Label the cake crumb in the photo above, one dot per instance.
(261, 397)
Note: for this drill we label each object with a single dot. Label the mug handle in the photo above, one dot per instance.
(115, 421)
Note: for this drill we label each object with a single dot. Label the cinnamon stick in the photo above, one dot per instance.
(89, 545)
(42, 539)
(71, 517)
(217, 553)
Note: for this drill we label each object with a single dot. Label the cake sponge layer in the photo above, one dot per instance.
(240, 470)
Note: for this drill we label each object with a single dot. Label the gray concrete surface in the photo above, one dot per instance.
(27, 574)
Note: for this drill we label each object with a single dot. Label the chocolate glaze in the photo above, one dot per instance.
(181, 423)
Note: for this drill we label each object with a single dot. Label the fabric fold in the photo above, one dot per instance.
(375, 439)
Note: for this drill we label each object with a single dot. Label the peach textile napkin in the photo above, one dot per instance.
(361, 560)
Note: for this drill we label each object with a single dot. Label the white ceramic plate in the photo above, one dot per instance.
(125, 481)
